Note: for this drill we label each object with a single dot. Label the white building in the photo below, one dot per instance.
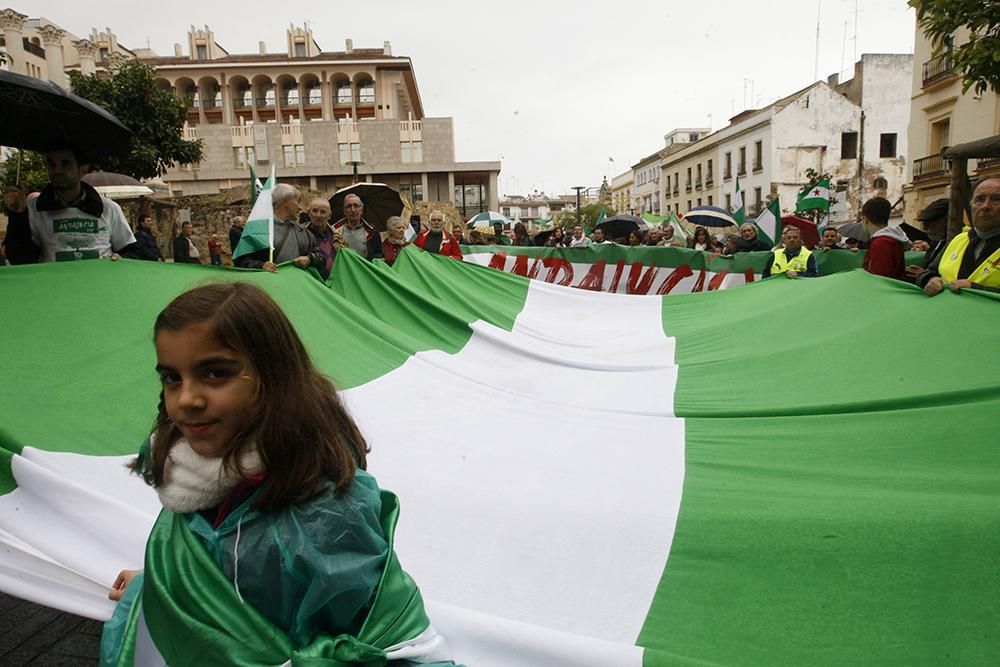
(537, 206)
(855, 131)
(621, 191)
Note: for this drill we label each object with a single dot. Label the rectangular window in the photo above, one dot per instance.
(729, 202)
(300, 50)
(848, 145)
(887, 145)
(758, 155)
(756, 199)
(356, 152)
(699, 201)
(239, 157)
(741, 168)
(711, 200)
(289, 152)
(345, 153)
(417, 151)
(727, 171)
(202, 51)
(708, 172)
(300, 154)
(251, 155)
(940, 135)
(404, 149)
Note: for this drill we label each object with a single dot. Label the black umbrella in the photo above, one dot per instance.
(36, 114)
(709, 216)
(381, 202)
(619, 226)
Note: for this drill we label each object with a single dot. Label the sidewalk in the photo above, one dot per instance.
(34, 635)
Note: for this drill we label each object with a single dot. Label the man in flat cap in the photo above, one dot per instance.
(934, 220)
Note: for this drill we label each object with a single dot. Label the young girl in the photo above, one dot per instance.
(274, 544)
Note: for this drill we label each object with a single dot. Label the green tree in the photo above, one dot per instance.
(588, 216)
(155, 117)
(25, 167)
(978, 57)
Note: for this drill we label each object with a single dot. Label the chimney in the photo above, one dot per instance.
(833, 80)
(350, 46)
(178, 51)
(386, 48)
(262, 48)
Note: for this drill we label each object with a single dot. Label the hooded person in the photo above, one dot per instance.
(885, 256)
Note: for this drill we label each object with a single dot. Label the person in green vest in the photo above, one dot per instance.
(274, 544)
(972, 258)
(793, 259)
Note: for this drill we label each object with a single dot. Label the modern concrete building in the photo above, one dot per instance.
(856, 131)
(320, 118)
(941, 116)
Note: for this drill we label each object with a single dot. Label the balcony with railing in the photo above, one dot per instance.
(677, 191)
(741, 170)
(929, 167)
(697, 183)
(709, 180)
(937, 69)
(987, 164)
(687, 187)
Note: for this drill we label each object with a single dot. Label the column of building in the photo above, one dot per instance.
(53, 38)
(12, 24)
(87, 51)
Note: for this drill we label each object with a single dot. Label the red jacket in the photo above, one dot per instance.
(390, 251)
(885, 258)
(449, 244)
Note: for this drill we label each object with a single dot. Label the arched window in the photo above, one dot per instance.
(366, 91)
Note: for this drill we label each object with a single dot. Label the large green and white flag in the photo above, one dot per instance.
(258, 232)
(769, 223)
(739, 211)
(585, 478)
(815, 197)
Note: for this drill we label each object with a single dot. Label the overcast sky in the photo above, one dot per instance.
(552, 89)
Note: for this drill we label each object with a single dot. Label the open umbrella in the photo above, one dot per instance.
(484, 221)
(116, 186)
(854, 230)
(709, 216)
(619, 226)
(810, 235)
(36, 114)
(381, 202)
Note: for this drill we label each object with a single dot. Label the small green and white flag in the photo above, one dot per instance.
(769, 223)
(816, 197)
(258, 232)
(739, 212)
(675, 223)
(255, 186)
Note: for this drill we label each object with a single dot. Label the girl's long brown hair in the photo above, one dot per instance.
(300, 429)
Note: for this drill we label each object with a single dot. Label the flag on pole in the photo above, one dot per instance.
(255, 186)
(258, 232)
(600, 217)
(768, 223)
(675, 223)
(815, 197)
(739, 212)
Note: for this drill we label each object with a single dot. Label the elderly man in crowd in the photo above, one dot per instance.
(395, 239)
(794, 259)
(749, 241)
(669, 238)
(71, 220)
(359, 234)
(185, 249)
(291, 242)
(319, 225)
(235, 232)
(436, 239)
(972, 259)
(579, 239)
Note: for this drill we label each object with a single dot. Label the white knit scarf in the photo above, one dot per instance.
(193, 482)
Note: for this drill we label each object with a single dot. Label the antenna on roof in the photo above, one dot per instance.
(819, 5)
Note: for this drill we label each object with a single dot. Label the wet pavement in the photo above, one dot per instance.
(34, 635)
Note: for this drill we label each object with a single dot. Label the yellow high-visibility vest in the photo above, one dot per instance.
(799, 263)
(986, 274)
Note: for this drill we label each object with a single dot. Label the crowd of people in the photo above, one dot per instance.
(70, 220)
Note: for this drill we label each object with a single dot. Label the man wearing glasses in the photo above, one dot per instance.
(972, 259)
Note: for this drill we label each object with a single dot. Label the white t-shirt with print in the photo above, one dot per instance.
(69, 234)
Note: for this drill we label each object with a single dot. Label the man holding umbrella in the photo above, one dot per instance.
(358, 233)
(70, 220)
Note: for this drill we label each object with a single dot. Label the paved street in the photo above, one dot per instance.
(36, 635)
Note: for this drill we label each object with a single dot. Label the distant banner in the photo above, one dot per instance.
(645, 270)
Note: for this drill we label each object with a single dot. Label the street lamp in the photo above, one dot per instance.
(356, 164)
(578, 188)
